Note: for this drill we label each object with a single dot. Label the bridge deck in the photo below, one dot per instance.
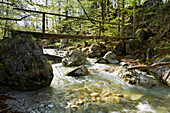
(54, 52)
(63, 36)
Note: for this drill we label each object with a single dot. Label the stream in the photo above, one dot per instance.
(98, 92)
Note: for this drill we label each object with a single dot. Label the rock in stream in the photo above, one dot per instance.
(23, 65)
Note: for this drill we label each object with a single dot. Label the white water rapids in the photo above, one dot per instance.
(98, 92)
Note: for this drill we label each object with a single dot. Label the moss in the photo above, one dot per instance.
(137, 56)
(49, 62)
(143, 59)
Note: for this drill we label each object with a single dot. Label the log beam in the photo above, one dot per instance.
(144, 67)
(63, 36)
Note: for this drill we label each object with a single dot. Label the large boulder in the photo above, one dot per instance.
(120, 48)
(110, 57)
(94, 51)
(137, 77)
(23, 65)
(162, 73)
(74, 58)
(79, 71)
(133, 46)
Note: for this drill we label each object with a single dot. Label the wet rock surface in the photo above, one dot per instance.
(79, 71)
(94, 51)
(23, 66)
(74, 58)
(137, 77)
(133, 46)
(162, 73)
(110, 57)
(120, 48)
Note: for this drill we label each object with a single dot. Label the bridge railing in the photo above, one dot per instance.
(71, 17)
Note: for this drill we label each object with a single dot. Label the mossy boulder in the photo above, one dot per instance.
(120, 48)
(110, 57)
(74, 58)
(94, 51)
(133, 46)
(24, 67)
(137, 77)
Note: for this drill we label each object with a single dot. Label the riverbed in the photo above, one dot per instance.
(98, 92)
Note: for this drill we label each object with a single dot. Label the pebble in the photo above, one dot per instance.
(50, 106)
(94, 94)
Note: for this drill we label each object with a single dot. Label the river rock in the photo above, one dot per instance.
(74, 58)
(79, 71)
(162, 73)
(94, 51)
(137, 77)
(101, 60)
(133, 46)
(110, 57)
(120, 48)
(23, 65)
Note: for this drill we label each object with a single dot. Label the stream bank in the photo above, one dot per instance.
(99, 91)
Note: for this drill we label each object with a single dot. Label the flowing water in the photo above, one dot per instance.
(98, 92)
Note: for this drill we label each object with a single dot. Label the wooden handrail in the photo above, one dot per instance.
(64, 36)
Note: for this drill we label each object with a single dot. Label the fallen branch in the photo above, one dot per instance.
(5, 109)
(143, 67)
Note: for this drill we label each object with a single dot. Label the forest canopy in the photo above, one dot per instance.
(100, 10)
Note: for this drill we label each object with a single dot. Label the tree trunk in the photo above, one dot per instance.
(118, 6)
(123, 18)
(59, 4)
(6, 23)
(103, 14)
(66, 10)
(47, 16)
(134, 18)
(108, 5)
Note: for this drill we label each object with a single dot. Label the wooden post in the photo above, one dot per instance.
(134, 18)
(43, 23)
(123, 32)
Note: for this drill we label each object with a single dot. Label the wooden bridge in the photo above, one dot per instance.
(63, 36)
(43, 34)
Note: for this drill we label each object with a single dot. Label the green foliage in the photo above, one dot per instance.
(49, 62)
(143, 59)
(1, 64)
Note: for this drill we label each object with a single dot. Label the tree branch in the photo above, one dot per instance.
(85, 11)
(15, 19)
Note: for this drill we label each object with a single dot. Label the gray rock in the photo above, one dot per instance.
(137, 77)
(74, 58)
(110, 57)
(133, 46)
(120, 48)
(162, 73)
(94, 51)
(50, 106)
(101, 60)
(24, 67)
(79, 71)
